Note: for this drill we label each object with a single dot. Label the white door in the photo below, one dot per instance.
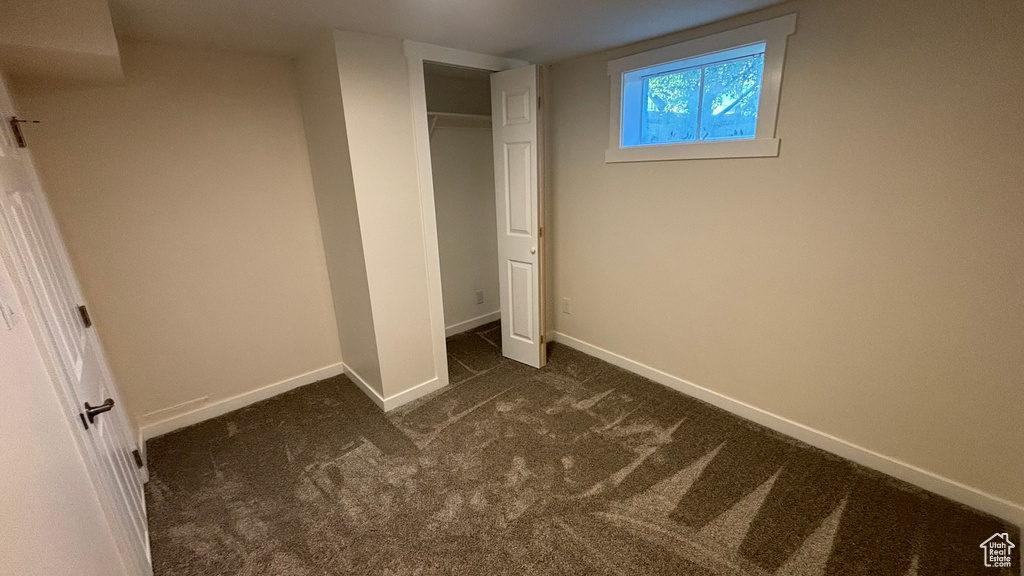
(76, 359)
(516, 182)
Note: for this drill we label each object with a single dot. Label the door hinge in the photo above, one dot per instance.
(138, 457)
(540, 232)
(543, 339)
(16, 128)
(84, 313)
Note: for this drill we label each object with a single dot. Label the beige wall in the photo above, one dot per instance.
(378, 120)
(186, 201)
(56, 38)
(868, 282)
(462, 163)
(324, 118)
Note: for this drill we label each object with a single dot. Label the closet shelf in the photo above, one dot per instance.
(461, 121)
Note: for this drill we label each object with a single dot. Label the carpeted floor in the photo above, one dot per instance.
(579, 468)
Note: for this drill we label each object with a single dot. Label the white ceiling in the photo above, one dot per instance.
(534, 30)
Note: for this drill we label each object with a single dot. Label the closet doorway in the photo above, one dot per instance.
(455, 94)
(462, 166)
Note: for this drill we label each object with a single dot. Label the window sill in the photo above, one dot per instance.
(756, 148)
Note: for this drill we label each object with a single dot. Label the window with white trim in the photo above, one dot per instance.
(713, 97)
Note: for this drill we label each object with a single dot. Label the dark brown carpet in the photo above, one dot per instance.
(579, 468)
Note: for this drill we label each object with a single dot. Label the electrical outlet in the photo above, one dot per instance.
(566, 306)
(479, 296)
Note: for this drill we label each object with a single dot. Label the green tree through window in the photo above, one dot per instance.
(717, 101)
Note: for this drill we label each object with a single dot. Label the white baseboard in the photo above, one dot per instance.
(907, 472)
(366, 388)
(198, 410)
(417, 391)
(396, 400)
(195, 411)
(471, 323)
(171, 412)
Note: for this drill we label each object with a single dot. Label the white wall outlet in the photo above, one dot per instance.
(479, 296)
(566, 306)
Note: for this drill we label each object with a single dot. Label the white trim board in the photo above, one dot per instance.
(471, 323)
(171, 412)
(204, 410)
(391, 402)
(455, 57)
(907, 472)
(207, 410)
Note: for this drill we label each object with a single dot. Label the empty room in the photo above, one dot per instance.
(680, 287)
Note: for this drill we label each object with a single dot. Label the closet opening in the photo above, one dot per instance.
(478, 121)
(462, 163)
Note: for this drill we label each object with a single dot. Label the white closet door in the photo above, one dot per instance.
(516, 174)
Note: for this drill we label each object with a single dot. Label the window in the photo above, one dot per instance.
(694, 101)
(713, 97)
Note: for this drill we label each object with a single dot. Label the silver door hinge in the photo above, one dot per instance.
(83, 313)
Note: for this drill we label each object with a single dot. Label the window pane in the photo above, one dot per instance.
(670, 114)
(732, 91)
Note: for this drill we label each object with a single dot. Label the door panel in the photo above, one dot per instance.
(517, 188)
(74, 351)
(516, 183)
(67, 333)
(517, 103)
(521, 307)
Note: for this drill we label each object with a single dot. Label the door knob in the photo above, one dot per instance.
(533, 250)
(91, 412)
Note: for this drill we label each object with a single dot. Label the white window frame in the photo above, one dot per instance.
(772, 33)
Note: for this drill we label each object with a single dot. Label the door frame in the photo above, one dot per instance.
(416, 53)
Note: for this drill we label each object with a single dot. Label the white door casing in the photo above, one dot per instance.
(514, 117)
(75, 356)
